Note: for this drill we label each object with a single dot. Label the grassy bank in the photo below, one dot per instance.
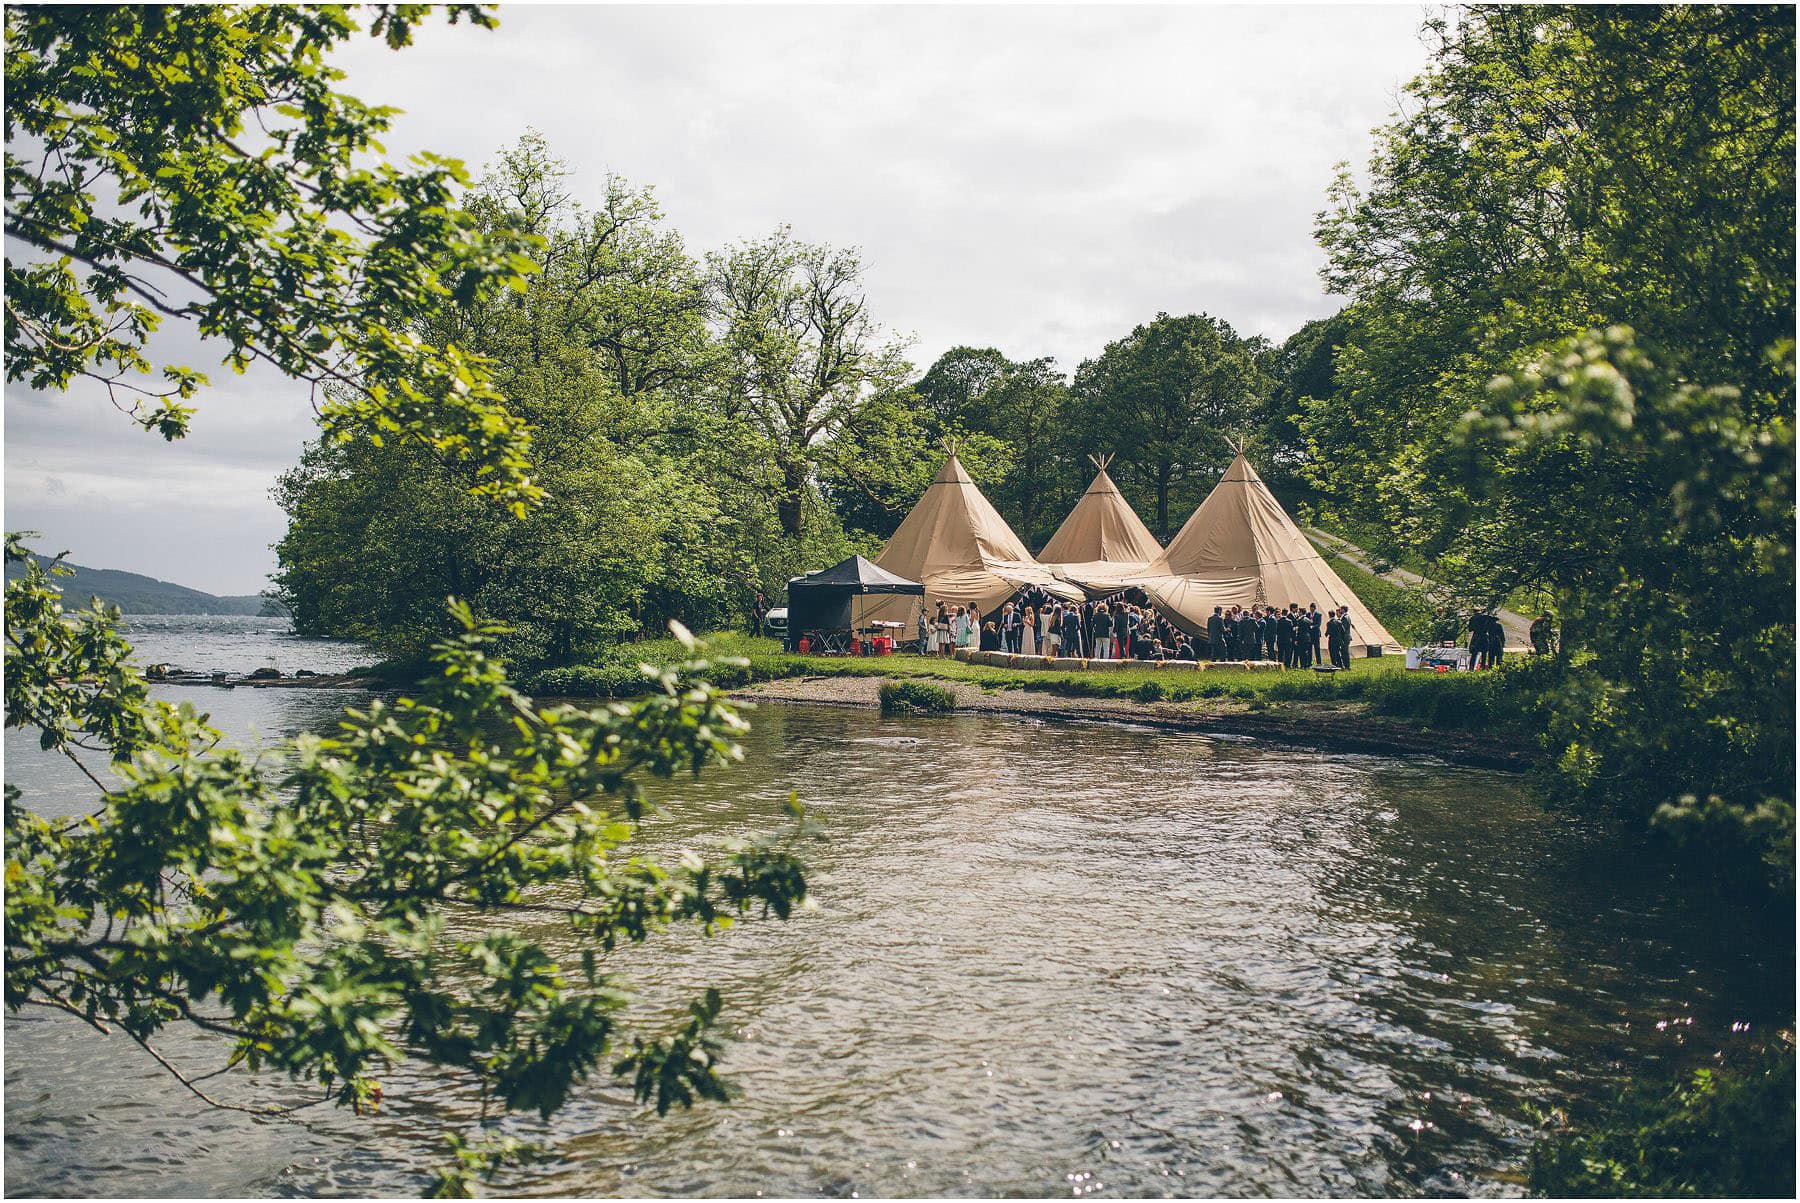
(1406, 613)
(1528, 601)
(1466, 701)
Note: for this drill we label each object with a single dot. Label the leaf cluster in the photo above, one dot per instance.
(300, 908)
(197, 163)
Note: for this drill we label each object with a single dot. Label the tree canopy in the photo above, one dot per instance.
(1594, 206)
(196, 163)
(297, 909)
(1167, 399)
(606, 354)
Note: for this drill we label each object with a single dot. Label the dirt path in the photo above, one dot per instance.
(1516, 626)
(1342, 726)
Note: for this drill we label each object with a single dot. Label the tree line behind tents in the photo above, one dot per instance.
(705, 427)
(709, 426)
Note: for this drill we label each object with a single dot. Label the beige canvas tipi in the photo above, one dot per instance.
(1102, 540)
(1239, 548)
(958, 546)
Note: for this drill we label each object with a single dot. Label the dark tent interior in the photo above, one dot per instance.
(826, 600)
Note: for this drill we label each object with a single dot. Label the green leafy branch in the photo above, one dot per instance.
(294, 907)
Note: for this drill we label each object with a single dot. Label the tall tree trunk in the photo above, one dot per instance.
(790, 507)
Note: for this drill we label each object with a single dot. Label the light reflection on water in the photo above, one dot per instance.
(1049, 959)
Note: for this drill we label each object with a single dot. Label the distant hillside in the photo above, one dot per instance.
(135, 594)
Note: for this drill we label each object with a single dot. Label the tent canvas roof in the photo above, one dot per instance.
(856, 575)
(956, 543)
(1101, 529)
(1239, 548)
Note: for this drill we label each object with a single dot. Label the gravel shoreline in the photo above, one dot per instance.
(1341, 726)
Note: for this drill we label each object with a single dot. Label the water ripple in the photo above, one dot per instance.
(1049, 960)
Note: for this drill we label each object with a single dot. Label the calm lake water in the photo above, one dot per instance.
(236, 643)
(1048, 959)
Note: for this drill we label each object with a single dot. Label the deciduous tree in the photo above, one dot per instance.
(1166, 398)
(294, 908)
(803, 353)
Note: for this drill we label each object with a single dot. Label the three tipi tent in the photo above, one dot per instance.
(959, 547)
(1102, 540)
(1241, 548)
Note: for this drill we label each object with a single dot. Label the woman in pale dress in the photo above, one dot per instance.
(1028, 633)
(962, 626)
(1051, 621)
(941, 645)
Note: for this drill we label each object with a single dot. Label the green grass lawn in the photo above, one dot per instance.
(1380, 685)
(1365, 537)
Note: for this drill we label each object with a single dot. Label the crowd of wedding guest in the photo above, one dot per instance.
(1125, 627)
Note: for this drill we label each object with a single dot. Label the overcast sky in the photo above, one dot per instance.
(1038, 180)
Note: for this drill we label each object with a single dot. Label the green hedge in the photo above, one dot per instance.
(921, 697)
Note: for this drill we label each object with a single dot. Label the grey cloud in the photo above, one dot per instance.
(1037, 179)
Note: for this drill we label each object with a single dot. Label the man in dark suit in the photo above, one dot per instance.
(1478, 640)
(1215, 634)
(1070, 632)
(1317, 620)
(1284, 638)
(1271, 633)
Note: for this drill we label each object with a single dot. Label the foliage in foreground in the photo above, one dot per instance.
(195, 163)
(1718, 1132)
(1683, 711)
(1548, 385)
(293, 910)
(915, 697)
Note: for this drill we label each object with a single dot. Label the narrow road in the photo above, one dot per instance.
(1516, 626)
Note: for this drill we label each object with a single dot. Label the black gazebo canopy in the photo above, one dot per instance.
(824, 600)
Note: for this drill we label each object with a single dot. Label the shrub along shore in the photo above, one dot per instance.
(1484, 718)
